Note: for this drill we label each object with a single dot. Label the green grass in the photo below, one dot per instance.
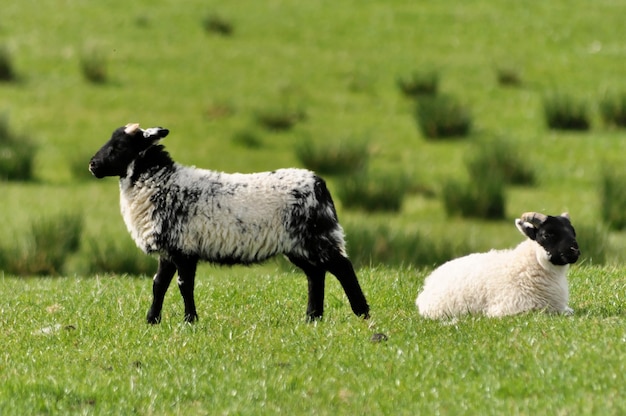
(338, 64)
(79, 345)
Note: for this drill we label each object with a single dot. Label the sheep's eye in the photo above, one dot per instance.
(548, 236)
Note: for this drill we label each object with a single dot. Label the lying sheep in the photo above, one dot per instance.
(186, 215)
(506, 282)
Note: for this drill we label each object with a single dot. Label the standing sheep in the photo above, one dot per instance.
(186, 215)
(506, 282)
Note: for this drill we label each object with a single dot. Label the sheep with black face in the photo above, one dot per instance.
(533, 276)
(185, 215)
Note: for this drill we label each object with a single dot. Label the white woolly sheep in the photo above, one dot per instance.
(186, 215)
(531, 276)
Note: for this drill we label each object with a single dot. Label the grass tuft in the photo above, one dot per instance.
(345, 156)
(442, 116)
(613, 197)
(17, 154)
(248, 139)
(500, 157)
(121, 256)
(46, 248)
(593, 242)
(280, 117)
(419, 83)
(216, 24)
(93, 65)
(373, 191)
(380, 244)
(508, 76)
(7, 69)
(483, 197)
(563, 112)
(613, 110)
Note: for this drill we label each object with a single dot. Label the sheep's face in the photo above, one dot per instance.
(125, 144)
(555, 234)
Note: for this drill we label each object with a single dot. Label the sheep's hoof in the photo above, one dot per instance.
(191, 318)
(153, 320)
(379, 337)
(313, 318)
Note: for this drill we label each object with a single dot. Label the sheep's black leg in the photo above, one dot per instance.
(342, 268)
(162, 280)
(186, 280)
(316, 277)
(315, 305)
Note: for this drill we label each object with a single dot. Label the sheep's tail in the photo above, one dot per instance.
(325, 221)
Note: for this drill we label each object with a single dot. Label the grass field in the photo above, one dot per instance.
(80, 346)
(77, 344)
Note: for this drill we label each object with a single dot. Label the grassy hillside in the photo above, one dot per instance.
(79, 346)
(339, 65)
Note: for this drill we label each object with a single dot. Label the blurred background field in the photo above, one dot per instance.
(248, 86)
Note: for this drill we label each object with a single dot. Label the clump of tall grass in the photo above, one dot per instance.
(344, 156)
(45, 247)
(593, 242)
(216, 24)
(280, 117)
(500, 157)
(116, 256)
(371, 192)
(442, 116)
(17, 154)
(613, 110)
(508, 76)
(93, 65)
(380, 244)
(248, 139)
(7, 70)
(613, 197)
(563, 112)
(482, 197)
(419, 83)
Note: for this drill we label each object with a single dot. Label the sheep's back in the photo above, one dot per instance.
(496, 283)
(227, 218)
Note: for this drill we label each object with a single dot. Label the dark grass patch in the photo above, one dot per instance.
(442, 116)
(46, 247)
(106, 255)
(482, 198)
(499, 156)
(279, 117)
(217, 24)
(419, 83)
(593, 242)
(370, 245)
(349, 155)
(372, 192)
(508, 76)
(94, 66)
(17, 154)
(612, 197)
(7, 68)
(248, 139)
(563, 112)
(613, 110)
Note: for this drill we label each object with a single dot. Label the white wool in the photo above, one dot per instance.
(244, 218)
(496, 283)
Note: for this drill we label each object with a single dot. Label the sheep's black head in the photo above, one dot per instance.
(555, 234)
(123, 147)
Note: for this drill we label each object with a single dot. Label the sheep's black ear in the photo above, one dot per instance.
(526, 228)
(155, 133)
